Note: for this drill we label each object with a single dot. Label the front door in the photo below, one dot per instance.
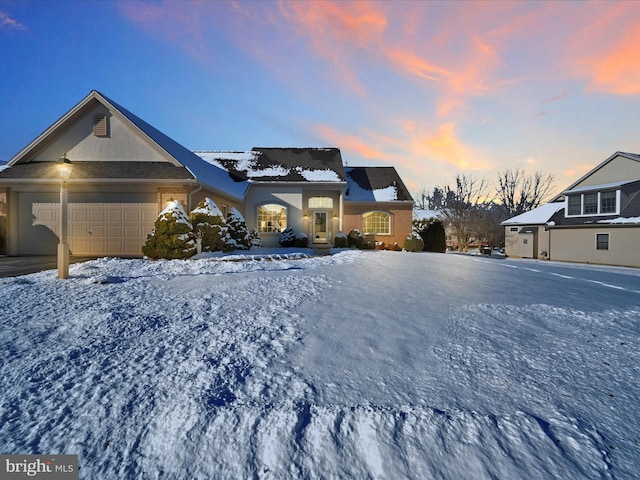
(320, 227)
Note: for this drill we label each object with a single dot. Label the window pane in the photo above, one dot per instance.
(590, 203)
(602, 241)
(321, 202)
(272, 218)
(376, 222)
(608, 202)
(574, 205)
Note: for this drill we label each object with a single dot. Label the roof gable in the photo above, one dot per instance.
(276, 165)
(375, 184)
(163, 147)
(619, 167)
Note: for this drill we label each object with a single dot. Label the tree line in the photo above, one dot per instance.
(474, 209)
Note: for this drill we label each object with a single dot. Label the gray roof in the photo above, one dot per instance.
(370, 184)
(98, 170)
(201, 170)
(281, 164)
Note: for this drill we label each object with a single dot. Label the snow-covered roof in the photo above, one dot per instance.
(204, 172)
(538, 216)
(422, 214)
(627, 220)
(280, 164)
(602, 186)
(375, 184)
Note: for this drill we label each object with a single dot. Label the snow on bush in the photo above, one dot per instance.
(355, 239)
(210, 227)
(255, 239)
(341, 240)
(172, 236)
(238, 230)
(287, 237)
(301, 240)
(413, 243)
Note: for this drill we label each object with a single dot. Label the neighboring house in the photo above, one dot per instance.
(125, 171)
(595, 220)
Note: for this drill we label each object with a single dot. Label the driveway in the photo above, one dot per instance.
(14, 266)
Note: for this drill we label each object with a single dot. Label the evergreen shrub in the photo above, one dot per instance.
(301, 240)
(341, 240)
(238, 231)
(355, 239)
(172, 236)
(287, 237)
(413, 243)
(209, 225)
(432, 233)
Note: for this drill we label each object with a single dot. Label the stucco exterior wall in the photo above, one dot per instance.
(81, 144)
(579, 245)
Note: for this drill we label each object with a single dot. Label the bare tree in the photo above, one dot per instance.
(461, 208)
(425, 200)
(520, 192)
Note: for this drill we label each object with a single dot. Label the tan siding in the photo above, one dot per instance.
(617, 170)
(579, 245)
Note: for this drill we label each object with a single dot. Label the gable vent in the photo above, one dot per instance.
(101, 126)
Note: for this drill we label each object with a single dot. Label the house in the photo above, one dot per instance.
(125, 171)
(595, 220)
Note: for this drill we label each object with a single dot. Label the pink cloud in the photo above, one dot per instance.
(8, 23)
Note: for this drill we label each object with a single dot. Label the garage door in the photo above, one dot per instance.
(101, 228)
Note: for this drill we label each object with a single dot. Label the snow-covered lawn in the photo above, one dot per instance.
(355, 365)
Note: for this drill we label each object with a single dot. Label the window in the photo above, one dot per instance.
(376, 222)
(602, 241)
(575, 205)
(321, 202)
(590, 203)
(513, 229)
(608, 202)
(272, 218)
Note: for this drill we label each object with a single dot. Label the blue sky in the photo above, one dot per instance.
(433, 88)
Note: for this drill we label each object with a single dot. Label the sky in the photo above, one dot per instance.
(435, 89)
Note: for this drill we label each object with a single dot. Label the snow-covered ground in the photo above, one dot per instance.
(356, 365)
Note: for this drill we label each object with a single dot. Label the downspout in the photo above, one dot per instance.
(191, 192)
(341, 214)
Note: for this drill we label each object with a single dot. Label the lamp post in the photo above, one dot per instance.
(64, 171)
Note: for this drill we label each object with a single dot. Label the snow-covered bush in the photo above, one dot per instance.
(355, 239)
(254, 237)
(301, 241)
(341, 240)
(432, 233)
(287, 237)
(172, 236)
(413, 243)
(209, 225)
(238, 230)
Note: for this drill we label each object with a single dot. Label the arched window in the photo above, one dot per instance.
(272, 217)
(376, 222)
(321, 202)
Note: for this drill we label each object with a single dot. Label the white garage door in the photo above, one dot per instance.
(101, 228)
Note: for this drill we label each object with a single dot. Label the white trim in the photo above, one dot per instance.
(599, 204)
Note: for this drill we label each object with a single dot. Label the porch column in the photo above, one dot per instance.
(341, 214)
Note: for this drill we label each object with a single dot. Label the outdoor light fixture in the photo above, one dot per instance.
(64, 171)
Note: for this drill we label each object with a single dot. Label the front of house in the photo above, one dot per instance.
(595, 220)
(125, 171)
